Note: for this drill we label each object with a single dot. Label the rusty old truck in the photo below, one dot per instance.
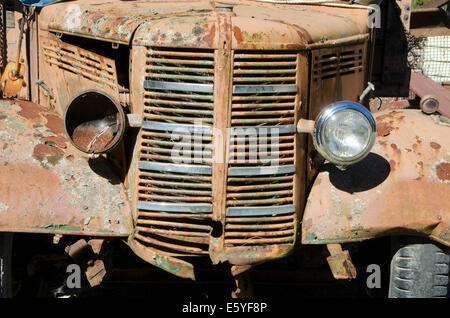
(236, 132)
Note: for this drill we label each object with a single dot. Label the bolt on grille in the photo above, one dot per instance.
(260, 209)
(174, 187)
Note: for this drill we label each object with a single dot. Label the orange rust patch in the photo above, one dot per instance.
(390, 115)
(443, 171)
(396, 150)
(238, 34)
(384, 129)
(392, 165)
(29, 110)
(59, 141)
(209, 37)
(55, 124)
(435, 145)
(42, 150)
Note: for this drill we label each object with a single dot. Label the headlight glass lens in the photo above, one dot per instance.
(346, 134)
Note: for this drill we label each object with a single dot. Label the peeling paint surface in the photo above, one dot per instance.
(402, 187)
(256, 24)
(45, 184)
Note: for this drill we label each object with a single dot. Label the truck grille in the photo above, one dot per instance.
(175, 188)
(260, 209)
(174, 198)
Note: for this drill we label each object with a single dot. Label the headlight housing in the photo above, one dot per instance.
(344, 133)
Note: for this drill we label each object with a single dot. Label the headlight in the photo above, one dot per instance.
(344, 133)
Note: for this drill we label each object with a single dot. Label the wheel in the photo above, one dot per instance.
(5, 265)
(419, 269)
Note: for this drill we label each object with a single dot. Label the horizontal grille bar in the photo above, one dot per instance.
(181, 128)
(171, 167)
(245, 130)
(260, 171)
(261, 211)
(174, 207)
(175, 86)
(257, 89)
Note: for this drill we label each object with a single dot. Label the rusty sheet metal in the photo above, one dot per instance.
(254, 25)
(251, 255)
(187, 31)
(164, 261)
(47, 187)
(272, 26)
(70, 71)
(422, 85)
(113, 21)
(402, 187)
(340, 262)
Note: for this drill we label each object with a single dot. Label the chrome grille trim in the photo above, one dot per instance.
(241, 130)
(261, 211)
(174, 207)
(177, 168)
(258, 89)
(183, 87)
(158, 126)
(260, 171)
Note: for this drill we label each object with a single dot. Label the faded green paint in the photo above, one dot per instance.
(164, 263)
(63, 227)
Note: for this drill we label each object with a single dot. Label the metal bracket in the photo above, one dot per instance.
(41, 83)
(340, 262)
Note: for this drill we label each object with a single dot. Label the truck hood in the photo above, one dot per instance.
(116, 21)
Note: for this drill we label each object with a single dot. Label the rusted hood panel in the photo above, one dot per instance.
(46, 187)
(312, 24)
(114, 21)
(402, 187)
(186, 31)
(255, 23)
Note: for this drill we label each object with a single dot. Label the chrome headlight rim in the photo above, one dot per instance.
(319, 127)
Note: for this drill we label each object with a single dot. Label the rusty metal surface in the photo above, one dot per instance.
(422, 85)
(340, 262)
(69, 70)
(46, 186)
(255, 24)
(189, 43)
(402, 187)
(114, 21)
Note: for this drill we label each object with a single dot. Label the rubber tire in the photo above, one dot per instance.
(419, 269)
(5, 265)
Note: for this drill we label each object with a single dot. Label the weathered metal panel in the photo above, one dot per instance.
(47, 187)
(402, 187)
(256, 24)
(113, 21)
(69, 71)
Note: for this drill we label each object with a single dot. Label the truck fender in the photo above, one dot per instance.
(47, 186)
(400, 188)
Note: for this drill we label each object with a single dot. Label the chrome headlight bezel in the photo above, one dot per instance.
(322, 119)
